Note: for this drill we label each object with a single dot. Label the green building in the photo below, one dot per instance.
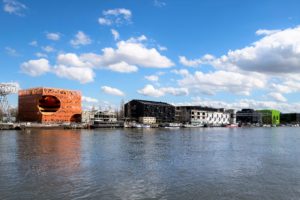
(270, 117)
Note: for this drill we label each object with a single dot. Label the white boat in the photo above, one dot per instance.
(192, 125)
(173, 125)
(232, 126)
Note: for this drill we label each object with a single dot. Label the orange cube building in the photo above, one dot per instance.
(49, 105)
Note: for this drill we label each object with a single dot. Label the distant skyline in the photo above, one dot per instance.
(232, 54)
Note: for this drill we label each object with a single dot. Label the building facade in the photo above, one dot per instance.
(290, 118)
(49, 105)
(163, 112)
(248, 116)
(270, 116)
(198, 115)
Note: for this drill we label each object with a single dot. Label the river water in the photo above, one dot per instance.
(204, 163)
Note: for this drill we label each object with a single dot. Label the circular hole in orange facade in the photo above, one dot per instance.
(48, 104)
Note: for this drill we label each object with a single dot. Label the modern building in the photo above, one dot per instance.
(248, 116)
(163, 112)
(290, 118)
(270, 116)
(49, 105)
(199, 115)
(88, 116)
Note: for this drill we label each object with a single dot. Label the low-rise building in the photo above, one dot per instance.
(248, 116)
(290, 118)
(88, 116)
(163, 112)
(199, 115)
(271, 117)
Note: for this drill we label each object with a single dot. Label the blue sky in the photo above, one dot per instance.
(229, 54)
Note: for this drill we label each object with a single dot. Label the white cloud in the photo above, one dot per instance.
(219, 81)
(153, 78)
(115, 34)
(36, 67)
(83, 75)
(72, 60)
(142, 38)
(14, 7)
(104, 21)
(182, 72)
(48, 49)
(162, 48)
(277, 96)
(123, 67)
(131, 52)
(11, 51)
(149, 90)
(33, 43)
(89, 99)
(196, 62)
(41, 55)
(112, 91)
(159, 3)
(53, 36)
(278, 52)
(80, 39)
(266, 32)
(115, 16)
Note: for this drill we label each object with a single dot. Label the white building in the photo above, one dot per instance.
(96, 116)
(203, 116)
(211, 118)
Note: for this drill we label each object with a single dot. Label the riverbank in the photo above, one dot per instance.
(24, 126)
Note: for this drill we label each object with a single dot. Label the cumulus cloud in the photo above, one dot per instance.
(41, 55)
(115, 34)
(11, 51)
(266, 32)
(33, 43)
(159, 3)
(72, 60)
(132, 52)
(153, 78)
(220, 81)
(53, 36)
(277, 97)
(14, 7)
(112, 91)
(48, 49)
(80, 39)
(182, 72)
(83, 75)
(277, 52)
(123, 67)
(196, 62)
(89, 99)
(115, 16)
(36, 67)
(149, 90)
(162, 48)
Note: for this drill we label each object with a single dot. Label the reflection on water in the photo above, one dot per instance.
(217, 163)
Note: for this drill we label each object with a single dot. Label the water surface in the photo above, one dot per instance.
(211, 163)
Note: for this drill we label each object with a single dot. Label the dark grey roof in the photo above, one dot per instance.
(151, 102)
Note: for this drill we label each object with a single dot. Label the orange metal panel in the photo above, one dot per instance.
(30, 105)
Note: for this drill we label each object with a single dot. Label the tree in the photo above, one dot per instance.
(1, 115)
(121, 111)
